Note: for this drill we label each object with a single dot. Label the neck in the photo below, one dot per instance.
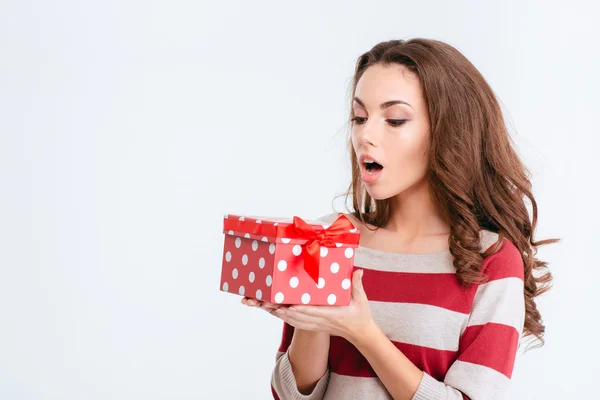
(414, 215)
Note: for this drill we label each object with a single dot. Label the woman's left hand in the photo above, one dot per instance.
(352, 322)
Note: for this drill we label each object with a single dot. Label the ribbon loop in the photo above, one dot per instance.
(316, 238)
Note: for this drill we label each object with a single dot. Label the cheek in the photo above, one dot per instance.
(408, 154)
(407, 147)
(353, 140)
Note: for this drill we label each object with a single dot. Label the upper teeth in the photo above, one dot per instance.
(369, 161)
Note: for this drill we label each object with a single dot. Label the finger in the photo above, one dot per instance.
(254, 303)
(303, 317)
(314, 311)
(357, 286)
(258, 303)
(249, 302)
(297, 322)
(266, 304)
(269, 306)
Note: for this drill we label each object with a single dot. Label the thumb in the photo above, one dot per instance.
(357, 286)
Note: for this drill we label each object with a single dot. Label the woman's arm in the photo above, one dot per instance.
(308, 355)
(301, 369)
(397, 373)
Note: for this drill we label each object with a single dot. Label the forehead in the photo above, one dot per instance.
(382, 83)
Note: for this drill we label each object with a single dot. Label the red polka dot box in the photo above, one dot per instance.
(289, 260)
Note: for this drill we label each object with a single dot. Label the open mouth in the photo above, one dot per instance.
(372, 166)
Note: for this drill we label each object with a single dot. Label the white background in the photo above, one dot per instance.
(128, 128)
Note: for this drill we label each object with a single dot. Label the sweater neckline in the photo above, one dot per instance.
(390, 254)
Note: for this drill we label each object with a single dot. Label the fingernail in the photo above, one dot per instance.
(280, 311)
(292, 308)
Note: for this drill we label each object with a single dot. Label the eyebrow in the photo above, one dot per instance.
(385, 105)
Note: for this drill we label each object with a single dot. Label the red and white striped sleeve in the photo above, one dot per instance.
(488, 344)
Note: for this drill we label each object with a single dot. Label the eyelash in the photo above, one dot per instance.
(393, 122)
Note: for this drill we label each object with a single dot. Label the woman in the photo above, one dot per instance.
(443, 287)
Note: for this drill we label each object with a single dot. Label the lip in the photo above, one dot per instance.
(362, 158)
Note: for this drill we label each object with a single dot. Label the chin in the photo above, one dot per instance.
(382, 191)
(380, 194)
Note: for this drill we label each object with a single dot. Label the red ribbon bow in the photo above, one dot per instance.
(317, 238)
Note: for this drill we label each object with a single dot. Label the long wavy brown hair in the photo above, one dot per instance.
(477, 178)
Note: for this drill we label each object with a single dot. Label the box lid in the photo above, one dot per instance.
(284, 229)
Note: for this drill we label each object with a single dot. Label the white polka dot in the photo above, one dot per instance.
(353, 230)
(244, 259)
(225, 286)
(349, 252)
(285, 240)
(251, 277)
(234, 273)
(230, 232)
(272, 248)
(228, 256)
(279, 298)
(242, 290)
(247, 235)
(325, 226)
(269, 280)
(264, 239)
(331, 299)
(346, 284)
(254, 245)
(238, 242)
(339, 244)
(282, 265)
(259, 294)
(276, 223)
(297, 250)
(261, 263)
(324, 251)
(294, 281)
(321, 283)
(241, 218)
(258, 221)
(335, 268)
(305, 298)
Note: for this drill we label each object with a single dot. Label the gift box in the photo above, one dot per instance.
(289, 260)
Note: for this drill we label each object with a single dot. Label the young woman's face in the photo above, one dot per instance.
(396, 136)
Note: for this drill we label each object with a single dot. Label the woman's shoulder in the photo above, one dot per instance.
(488, 239)
(502, 258)
(329, 218)
(332, 216)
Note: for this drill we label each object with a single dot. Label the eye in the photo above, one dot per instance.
(392, 122)
(396, 122)
(358, 120)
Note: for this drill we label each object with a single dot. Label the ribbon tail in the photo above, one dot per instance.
(312, 255)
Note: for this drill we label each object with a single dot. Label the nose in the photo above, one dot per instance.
(366, 135)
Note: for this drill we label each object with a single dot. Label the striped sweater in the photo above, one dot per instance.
(464, 339)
